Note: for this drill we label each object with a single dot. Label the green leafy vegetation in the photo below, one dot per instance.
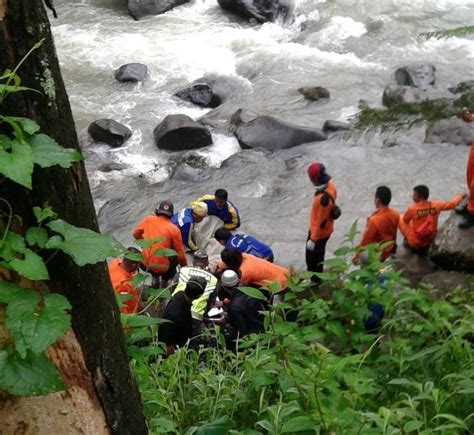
(32, 320)
(316, 369)
(450, 33)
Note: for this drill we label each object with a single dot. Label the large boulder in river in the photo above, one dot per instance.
(142, 8)
(180, 132)
(259, 10)
(454, 131)
(273, 134)
(109, 131)
(453, 248)
(397, 94)
(420, 76)
(200, 94)
(131, 72)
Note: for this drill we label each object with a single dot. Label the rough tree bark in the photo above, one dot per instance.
(105, 378)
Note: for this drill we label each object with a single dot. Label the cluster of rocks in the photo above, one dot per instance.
(259, 11)
(414, 84)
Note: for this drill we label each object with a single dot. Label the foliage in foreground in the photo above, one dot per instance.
(322, 372)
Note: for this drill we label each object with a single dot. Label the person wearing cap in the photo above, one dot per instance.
(321, 224)
(244, 243)
(467, 219)
(219, 205)
(200, 306)
(419, 223)
(382, 225)
(254, 271)
(186, 219)
(159, 226)
(179, 328)
(121, 272)
(244, 313)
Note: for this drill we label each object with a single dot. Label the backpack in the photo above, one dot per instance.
(336, 211)
(426, 230)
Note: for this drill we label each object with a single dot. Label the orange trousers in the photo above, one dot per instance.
(470, 180)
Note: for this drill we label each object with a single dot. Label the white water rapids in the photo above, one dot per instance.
(351, 47)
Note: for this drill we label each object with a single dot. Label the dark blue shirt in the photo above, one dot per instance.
(249, 245)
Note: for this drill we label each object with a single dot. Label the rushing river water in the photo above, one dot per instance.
(351, 47)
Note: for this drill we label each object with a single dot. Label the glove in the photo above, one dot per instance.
(310, 244)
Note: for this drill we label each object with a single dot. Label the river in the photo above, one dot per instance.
(351, 47)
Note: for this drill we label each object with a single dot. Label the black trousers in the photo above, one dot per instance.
(315, 258)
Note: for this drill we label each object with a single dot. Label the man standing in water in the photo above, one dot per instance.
(321, 224)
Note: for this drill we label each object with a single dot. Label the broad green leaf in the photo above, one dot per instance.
(8, 291)
(452, 419)
(11, 89)
(17, 163)
(221, 426)
(28, 125)
(33, 326)
(253, 293)
(47, 152)
(44, 213)
(37, 236)
(164, 252)
(133, 256)
(412, 425)
(34, 375)
(83, 245)
(12, 245)
(137, 320)
(326, 276)
(31, 266)
(147, 243)
(298, 424)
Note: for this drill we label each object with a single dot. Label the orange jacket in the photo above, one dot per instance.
(470, 179)
(382, 227)
(414, 214)
(151, 227)
(257, 271)
(321, 225)
(121, 283)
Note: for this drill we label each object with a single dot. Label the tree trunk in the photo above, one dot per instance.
(95, 316)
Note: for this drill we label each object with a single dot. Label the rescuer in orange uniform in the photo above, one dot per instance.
(121, 272)
(468, 219)
(155, 226)
(419, 223)
(321, 223)
(382, 225)
(253, 271)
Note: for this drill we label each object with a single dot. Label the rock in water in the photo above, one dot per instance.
(396, 94)
(180, 132)
(200, 94)
(331, 126)
(142, 8)
(453, 248)
(131, 72)
(109, 131)
(420, 76)
(273, 134)
(454, 131)
(314, 94)
(259, 10)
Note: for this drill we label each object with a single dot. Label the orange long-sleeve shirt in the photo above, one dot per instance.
(414, 214)
(122, 285)
(470, 179)
(257, 271)
(382, 227)
(153, 226)
(320, 224)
